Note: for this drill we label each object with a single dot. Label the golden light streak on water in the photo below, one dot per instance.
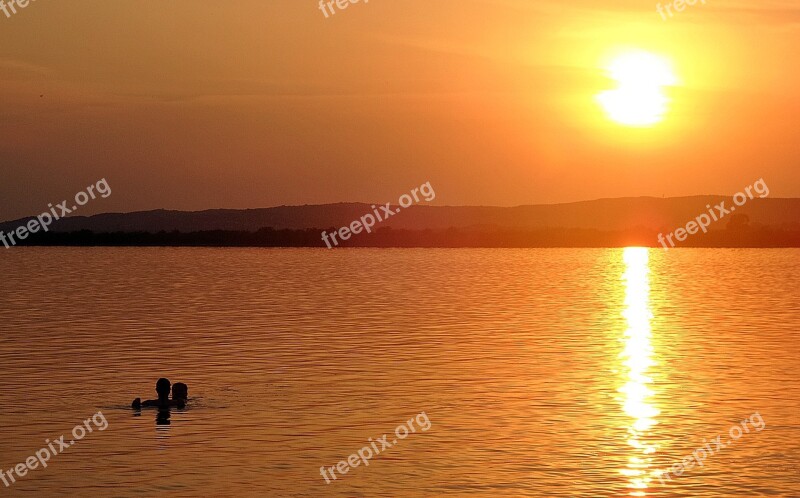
(637, 359)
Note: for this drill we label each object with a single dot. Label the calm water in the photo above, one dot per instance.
(542, 372)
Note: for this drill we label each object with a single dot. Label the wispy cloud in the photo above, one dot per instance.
(15, 68)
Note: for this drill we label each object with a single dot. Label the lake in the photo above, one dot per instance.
(542, 372)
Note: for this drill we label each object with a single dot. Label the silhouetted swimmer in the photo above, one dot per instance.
(180, 394)
(180, 391)
(163, 387)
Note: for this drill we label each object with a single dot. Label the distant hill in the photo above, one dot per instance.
(769, 222)
(602, 214)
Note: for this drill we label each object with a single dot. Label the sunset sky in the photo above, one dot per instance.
(195, 104)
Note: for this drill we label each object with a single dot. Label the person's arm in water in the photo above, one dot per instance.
(150, 403)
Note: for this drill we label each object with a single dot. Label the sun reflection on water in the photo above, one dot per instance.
(636, 360)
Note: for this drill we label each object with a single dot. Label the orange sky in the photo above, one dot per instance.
(192, 104)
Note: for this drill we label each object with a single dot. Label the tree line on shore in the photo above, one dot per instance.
(740, 236)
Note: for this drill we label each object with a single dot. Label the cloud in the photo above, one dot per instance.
(15, 69)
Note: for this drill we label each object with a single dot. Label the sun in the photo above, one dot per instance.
(639, 100)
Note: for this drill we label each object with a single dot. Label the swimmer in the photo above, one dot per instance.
(163, 387)
(180, 394)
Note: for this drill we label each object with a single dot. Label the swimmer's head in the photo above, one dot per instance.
(162, 388)
(180, 391)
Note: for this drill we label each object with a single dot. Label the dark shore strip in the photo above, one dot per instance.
(746, 237)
